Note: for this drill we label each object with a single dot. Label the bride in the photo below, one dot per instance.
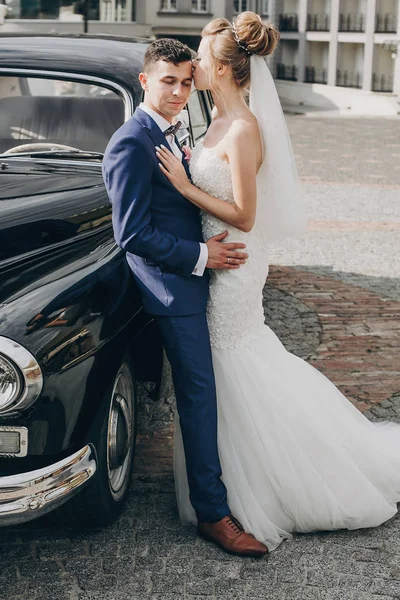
(296, 455)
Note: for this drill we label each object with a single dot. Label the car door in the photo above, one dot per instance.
(199, 109)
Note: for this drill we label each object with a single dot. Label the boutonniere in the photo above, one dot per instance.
(187, 151)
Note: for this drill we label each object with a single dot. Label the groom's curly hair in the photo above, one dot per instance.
(168, 50)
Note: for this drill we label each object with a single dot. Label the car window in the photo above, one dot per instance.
(77, 114)
(198, 117)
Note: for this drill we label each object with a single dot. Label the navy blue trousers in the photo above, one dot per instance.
(187, 344)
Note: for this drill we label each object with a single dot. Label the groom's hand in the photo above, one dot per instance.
(225, 256)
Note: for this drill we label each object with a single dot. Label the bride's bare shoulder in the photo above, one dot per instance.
(244, 136)
(244, 128)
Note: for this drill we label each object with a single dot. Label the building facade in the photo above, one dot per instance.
(340, 52)
(342, 44)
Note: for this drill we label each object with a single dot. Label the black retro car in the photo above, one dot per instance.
(74, 338)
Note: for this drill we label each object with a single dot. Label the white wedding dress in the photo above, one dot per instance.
(296, 455)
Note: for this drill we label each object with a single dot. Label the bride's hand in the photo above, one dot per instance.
(173, 169)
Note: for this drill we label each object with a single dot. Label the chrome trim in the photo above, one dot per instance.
(127, 98)
(19, 384)
(23, 442)
(121, 407)
(27, 496)
(31, 374)
(186, 136)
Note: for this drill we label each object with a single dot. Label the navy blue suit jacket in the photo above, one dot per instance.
(157, 227)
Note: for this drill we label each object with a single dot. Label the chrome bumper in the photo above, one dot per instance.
(30, 495)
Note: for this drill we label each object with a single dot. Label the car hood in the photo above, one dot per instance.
(51, 212)
(26, 177)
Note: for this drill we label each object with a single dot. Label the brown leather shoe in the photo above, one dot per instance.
(230, 535)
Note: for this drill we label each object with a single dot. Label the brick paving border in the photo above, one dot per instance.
(360, 343)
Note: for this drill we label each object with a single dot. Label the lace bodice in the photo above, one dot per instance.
(235, 314)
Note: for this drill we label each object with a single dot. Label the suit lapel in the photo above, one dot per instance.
(157, 136)
(155, 132)
(184, 162)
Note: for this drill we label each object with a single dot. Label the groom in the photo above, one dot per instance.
(161, 234)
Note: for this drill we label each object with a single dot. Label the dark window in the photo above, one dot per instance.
(200, 6)
(77, 114)
(240, 6)
(168, 6)
(65, 10)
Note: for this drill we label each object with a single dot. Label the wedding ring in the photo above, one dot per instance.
(229, 260)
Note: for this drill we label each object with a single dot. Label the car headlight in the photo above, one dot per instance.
(21, 378)
(10, 383)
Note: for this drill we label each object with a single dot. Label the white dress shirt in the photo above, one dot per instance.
(163, 125)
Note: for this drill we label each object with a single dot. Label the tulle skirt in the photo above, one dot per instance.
(296, 455)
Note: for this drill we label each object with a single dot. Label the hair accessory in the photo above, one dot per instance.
(241, 45)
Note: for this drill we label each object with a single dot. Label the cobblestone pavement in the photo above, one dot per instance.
(333, 297)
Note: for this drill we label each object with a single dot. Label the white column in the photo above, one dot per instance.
(141, 13)
(279, 9)
(369, 44)
(103, 9)
(272, 11)
(273, 17)
(107, 11)
(396, 71)
(229, 10)
(302, 39)
(128, 10)
(185, 6)
(333, 42)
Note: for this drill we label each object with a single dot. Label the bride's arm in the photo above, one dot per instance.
(242, 155)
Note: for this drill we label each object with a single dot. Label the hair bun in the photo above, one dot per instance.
(258, 36)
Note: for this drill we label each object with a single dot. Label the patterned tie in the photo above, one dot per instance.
(173, 129)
